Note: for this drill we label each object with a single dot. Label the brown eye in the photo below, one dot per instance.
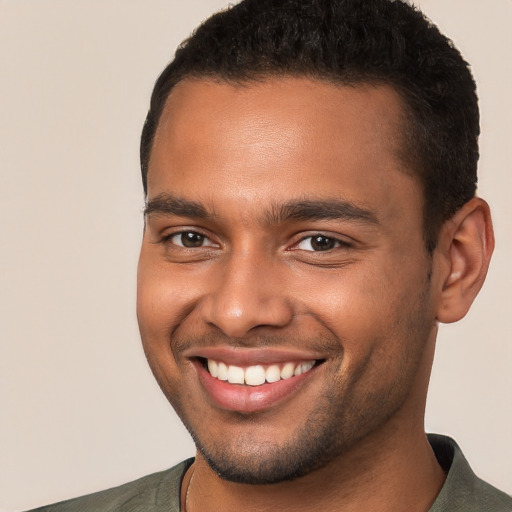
(318, 243)
(191, 239)
(322, 243)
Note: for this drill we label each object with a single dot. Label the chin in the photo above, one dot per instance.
(266, 468)
(244, 459)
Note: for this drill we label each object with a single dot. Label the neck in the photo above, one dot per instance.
(379, 475)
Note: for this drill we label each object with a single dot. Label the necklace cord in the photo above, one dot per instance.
(187, 492)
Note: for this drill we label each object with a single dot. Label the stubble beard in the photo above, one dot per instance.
(339, 421)
(315, 444)
(334, 427)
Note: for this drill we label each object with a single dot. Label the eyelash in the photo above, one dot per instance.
(335, 242)
(167, 239)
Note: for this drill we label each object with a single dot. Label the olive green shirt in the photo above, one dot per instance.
(463, 491)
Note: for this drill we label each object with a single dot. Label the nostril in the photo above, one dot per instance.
(236, 309)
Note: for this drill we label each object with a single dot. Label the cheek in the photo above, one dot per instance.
(370, 308)
(163, 297)
(156, 313)
(351, 298)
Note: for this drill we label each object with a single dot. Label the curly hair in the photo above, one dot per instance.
(349, 42)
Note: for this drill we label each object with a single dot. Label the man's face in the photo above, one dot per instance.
(283, 236)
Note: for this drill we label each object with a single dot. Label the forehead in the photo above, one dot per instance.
(203, 111)
(279, 138)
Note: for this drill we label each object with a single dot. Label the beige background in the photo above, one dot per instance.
(79, 408)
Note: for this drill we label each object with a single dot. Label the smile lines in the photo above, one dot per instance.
(257, 375)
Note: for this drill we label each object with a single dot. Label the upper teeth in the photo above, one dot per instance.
(258, 374)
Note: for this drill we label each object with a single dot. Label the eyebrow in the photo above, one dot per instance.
(166, 204)
(311, 210)
(302, 210)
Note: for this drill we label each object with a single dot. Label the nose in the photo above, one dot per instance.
(247, 294)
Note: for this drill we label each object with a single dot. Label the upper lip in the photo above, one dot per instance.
(252, 356)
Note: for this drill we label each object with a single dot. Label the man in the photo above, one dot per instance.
(310, 173)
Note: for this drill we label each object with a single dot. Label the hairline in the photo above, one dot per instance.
(411, 161)
(406, 118)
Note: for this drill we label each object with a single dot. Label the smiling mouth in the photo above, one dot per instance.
(257, 375)
(252, 381)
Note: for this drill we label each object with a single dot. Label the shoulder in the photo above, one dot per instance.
(463, 490)
(157, 492)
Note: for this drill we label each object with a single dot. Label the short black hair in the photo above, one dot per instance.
(349, 42)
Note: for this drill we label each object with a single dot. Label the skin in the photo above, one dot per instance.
(351, 436)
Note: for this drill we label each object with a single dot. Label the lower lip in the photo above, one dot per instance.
(247, 399)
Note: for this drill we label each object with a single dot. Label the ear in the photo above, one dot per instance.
(467, 242)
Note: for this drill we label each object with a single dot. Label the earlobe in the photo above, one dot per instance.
(468, 243)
